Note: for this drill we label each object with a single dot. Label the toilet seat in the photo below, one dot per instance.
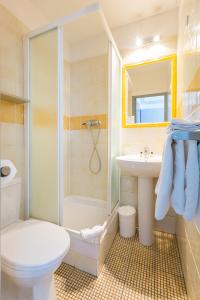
(33, 246)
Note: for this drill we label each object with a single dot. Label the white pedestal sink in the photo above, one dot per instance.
(145, 169)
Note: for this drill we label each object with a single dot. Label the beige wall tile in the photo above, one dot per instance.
(88, 99)
(11, 112)
(11, 82)
(135, 139)
(11, 51)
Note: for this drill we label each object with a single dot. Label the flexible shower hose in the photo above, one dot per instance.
(95, 150)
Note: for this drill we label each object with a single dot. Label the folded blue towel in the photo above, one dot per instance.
(177, 124)
(179, 181)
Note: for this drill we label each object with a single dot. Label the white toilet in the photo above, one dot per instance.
(30, 251)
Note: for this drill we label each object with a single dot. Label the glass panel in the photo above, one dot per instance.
(86, 100)
(43, 126)
(115, 126)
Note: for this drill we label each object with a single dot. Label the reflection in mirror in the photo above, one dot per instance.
(148, 92)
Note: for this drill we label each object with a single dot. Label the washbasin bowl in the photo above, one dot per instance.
(135, 165)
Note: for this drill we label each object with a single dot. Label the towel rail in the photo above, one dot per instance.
(186, 135)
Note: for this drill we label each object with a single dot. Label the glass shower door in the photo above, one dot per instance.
(115, 125)
(44, 126)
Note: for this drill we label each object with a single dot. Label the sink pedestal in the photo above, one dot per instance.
(146, 170)
(146, 208)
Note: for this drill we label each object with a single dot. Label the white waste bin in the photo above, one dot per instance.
(127, 221)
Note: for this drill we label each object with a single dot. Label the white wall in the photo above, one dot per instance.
(165, 24)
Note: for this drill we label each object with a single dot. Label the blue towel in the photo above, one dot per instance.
(165, 181)
(178, 192)
(191, 181)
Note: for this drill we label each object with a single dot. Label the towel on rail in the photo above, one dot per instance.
(177, 124)
(178, 191)
(191, 181)
(197, 215)
(178, 183)
(165, 181)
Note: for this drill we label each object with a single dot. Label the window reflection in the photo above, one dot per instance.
(152, 108)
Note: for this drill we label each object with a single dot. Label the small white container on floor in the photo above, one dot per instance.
(127, 221)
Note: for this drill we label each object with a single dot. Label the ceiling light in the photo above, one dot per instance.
(139, 42)
(156, 38)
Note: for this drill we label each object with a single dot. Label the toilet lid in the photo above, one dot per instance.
(33, 244)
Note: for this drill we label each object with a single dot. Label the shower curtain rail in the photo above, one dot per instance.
(186, 135)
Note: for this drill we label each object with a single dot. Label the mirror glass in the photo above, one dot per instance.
(148, 93)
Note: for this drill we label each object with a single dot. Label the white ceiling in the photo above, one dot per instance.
(36, 13)
(81, 29)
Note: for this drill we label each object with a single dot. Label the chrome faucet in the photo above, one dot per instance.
(146, 152)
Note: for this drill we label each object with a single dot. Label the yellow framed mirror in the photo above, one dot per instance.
(149, 92)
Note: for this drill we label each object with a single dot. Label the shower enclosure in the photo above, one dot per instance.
(73, 81)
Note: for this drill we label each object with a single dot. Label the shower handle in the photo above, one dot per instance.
(92, 123)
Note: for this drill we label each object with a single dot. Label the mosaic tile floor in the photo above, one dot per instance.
(131, 271)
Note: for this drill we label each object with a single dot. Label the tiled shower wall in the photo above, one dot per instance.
(189, 106)
(11, 82)
(11, 53)
(88, 99)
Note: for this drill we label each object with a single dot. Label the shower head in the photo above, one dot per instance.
(92, 123)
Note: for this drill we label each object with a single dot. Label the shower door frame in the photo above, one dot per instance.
(111, 43)
(110, 85)
(58, 25)
(60, 142)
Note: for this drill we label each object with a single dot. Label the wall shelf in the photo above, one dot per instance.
(12, 98)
